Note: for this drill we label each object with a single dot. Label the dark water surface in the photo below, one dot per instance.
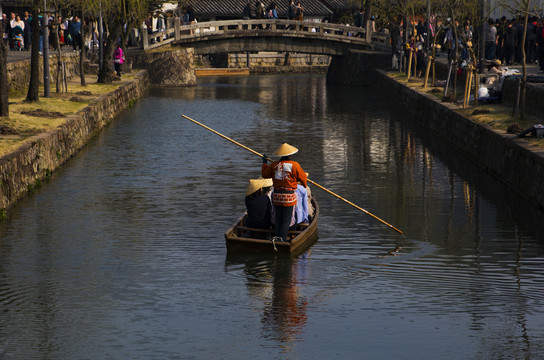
(122, 255)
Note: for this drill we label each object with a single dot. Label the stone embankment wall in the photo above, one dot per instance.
(277, 60)
(19, 71)
(168, 68)
(502, 155)
(267, 63)
(354, 69)
(534, 101)
(33, 162)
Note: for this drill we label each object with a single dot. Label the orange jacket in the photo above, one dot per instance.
(284, 174)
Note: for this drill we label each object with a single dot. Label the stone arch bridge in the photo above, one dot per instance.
(234, 36)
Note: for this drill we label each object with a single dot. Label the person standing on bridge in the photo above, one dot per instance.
(299, 12)
(359, 20)
(249, 12)
(292, 10)
(285, 174)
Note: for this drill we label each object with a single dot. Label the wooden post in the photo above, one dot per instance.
(476, 85)
(470, 75)
(466, 91)
(145, 39)
(177, 28)
(368, 35)
(427, 71)
(410, 63)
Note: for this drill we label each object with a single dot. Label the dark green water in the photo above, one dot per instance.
(122, 255)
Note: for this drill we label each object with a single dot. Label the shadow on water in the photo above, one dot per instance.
(518, 207)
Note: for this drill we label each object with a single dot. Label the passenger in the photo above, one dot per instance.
(303, 209)
(258, 203)
(285, 174)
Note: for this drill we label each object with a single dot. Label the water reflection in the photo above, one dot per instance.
(123, 256)
(278, 284)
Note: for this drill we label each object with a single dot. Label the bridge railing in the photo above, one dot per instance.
(198, 31)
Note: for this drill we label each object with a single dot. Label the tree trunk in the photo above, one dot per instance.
(524, 63)
(368, 11)
(34, 85)
(4, 86)
(82, 50)
(105, 75)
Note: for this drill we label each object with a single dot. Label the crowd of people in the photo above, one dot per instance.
(62, 31)
(504, 40)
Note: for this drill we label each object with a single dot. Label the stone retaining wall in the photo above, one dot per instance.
(272, 60)
(19, 71)
(534, 101)
(168, 68)
(34, 161)
(501, 155)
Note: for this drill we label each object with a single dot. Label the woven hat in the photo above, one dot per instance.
(257, 184)
(497, 62)
(285, 150)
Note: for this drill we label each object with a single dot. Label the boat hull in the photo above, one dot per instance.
(239, 238)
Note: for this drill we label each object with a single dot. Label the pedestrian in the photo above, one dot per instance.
(248, 12)
(118, 59)
(292, 11)
(519, 43)
(27, 30)
(299, 12)
(75, 33)
(490, 32)
(509, 44)
(285, 173)
(6, 28)
(540, 45)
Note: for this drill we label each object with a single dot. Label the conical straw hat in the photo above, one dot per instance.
(256, 184)
(285, 150)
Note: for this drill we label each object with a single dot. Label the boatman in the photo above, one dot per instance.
(285, 174)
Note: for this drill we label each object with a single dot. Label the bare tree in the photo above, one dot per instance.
(34, 85)
(4, 86)
(522, 7)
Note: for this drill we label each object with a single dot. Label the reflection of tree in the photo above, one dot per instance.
(277, 282)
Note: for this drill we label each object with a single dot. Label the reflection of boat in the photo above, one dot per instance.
(240, 238)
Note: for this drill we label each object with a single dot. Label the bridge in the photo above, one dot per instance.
(233, 36)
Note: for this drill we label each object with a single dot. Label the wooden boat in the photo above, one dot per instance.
(240, 238)
(221, 71)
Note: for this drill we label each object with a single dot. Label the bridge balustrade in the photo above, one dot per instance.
(200, 31)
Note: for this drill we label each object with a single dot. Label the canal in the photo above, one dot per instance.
(121, 255)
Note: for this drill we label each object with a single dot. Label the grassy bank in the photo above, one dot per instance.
(496, 116)
(28, 119)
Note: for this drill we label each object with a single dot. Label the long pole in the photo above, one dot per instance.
(310, 181)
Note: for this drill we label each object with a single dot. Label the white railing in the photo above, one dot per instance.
(228, 28)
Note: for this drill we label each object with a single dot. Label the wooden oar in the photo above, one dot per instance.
(310, 181)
